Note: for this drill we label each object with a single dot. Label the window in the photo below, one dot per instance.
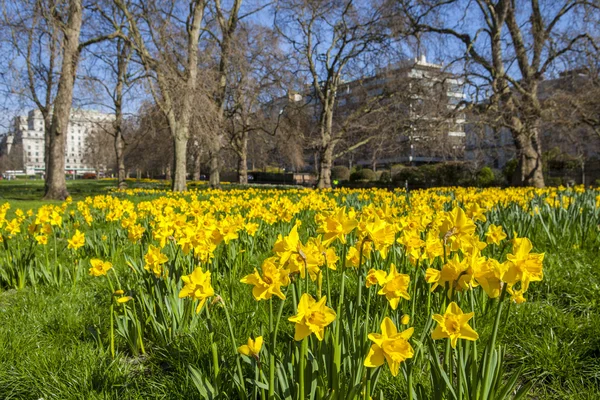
(68, 162)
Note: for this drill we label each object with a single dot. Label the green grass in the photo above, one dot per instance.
(49, 349)
(49, 335)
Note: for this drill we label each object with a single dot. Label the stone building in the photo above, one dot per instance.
(28, 133)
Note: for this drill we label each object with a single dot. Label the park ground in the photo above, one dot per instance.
(48, 335)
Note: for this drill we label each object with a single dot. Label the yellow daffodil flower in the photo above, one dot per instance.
(197, 286)
(99, 267)
(312, 317)
(77, 241)
(269, 283)
(395, 287)
(252, 348)
(522, 265)
(454, 325)
(391, 346)
(495, 234)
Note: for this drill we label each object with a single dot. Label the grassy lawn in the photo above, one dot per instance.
(53, 337)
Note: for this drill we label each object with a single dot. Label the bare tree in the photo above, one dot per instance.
(52, 33)
(165, 35)
(111, 72)
(326, 37)
(98, 151)
(227, 21)
(508, 47)
(257, 79)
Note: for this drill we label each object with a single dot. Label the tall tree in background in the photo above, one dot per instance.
(257, 79)
(62, 21)
(509, 46)
(326, 37)
(227, 21)
(165, 35)
(32, 56)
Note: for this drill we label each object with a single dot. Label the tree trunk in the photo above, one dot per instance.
(243, 160)
(529, 172)
(213, 155)
(197, 165)
(122, 61)
(119, 149)
(179, 164)
(326, 157)
(56, 184)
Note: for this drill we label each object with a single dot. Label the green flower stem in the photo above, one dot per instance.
(112, 329)
(459, 370)
(235, 352)
(337, 352)
(414, 294)
(302, 368)
(213, 345)
(409, 379)
(367, 391)
(492, 344)
(272, 353)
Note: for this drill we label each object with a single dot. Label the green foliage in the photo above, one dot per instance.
(363, 175)
(485, 177)
(385, 177)
(509, 169)
(430, 175)
(340, 172)
(53, 336)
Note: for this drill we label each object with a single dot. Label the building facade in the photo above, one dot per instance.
(28, 132)
(426, 122)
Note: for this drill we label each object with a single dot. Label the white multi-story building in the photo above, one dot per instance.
(29, 131)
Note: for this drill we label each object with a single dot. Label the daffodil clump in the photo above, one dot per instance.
(307, 294)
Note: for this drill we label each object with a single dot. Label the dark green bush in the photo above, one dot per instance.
(340, 172)
(363, 175)
(413, 175)
(385, 177)
(485, 177)
(509, 169)
(454, 173)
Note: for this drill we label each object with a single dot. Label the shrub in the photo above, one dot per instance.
(363, 175)
(340, 173)
(485, 177)
(385, 177)
(509, 169)
(413, 175)
(554, 181)
(454, 174)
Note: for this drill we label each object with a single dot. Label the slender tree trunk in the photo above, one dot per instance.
(243, 160)
(179, 165)
(326, 151)
(326, 157)
(529, 151)
(119, 150)
(214, 178)
(56, 184)
(123, 59)
(197, 165)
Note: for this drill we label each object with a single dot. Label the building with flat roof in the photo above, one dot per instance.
(28, 132)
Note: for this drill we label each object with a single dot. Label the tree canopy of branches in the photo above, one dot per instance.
(508, 48)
